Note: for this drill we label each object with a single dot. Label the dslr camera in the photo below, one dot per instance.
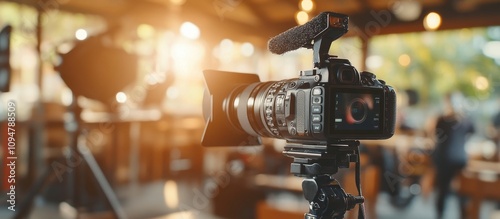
(322, 114)
(331, 103)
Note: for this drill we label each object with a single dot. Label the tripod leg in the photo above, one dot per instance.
(101, 180)
(24, 207)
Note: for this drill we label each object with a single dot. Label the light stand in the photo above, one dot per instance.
(87, 70)
(77, 150)
(327, 199)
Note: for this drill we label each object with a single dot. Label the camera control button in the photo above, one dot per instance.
(317, 91)
(316, 118)
(317, 100)
(317, 128)
(308, 72)
(316, 109)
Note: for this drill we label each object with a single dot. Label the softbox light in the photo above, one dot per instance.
(96, 71)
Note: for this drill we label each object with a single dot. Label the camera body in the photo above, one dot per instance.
(328, 104)
(322, 106)
(321, 114)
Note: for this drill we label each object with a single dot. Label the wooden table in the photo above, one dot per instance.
(479, 181)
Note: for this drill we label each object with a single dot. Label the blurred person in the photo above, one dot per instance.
(451, 131)
(494, 132)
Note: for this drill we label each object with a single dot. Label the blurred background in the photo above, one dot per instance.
(124, 78)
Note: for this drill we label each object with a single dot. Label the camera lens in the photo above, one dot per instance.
(357, 110)
(251, 108)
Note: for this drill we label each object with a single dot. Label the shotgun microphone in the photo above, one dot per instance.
(303, 35)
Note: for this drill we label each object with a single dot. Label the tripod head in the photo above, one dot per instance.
(317, 163)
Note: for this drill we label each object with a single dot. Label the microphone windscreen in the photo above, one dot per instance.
(298, 36)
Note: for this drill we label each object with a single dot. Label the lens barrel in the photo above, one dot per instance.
(252, 106)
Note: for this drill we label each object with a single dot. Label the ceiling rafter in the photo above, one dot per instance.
(263, 17)
(265, 25)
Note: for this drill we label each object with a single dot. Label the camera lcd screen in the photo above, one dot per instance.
(357, 111)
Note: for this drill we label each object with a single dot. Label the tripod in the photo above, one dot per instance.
(327, 199)
(78, 154)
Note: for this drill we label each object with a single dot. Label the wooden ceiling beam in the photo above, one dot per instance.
(486, 15)
(256, 9)
(366, 24)
(214, 28)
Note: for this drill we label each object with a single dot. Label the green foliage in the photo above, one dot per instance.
(441, 62)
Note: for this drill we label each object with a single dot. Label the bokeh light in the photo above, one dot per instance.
(170, 194)
(307, 5)
(301, 17)
(407, 10)
(190, 30)
(145, 31)
(432, 21)
(492, 49)
(247, 49)
(482, 83)
(404, 60)
(121, 97)
(81, 34)
(374, 62)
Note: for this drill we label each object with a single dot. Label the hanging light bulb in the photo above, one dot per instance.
(306, 5)
(432, 21)
(301, 17)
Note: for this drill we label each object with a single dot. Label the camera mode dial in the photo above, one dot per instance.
(368, 78)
